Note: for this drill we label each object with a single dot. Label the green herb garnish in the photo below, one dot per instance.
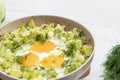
(112, 64)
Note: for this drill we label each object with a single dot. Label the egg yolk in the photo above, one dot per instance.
(30, 60)
(43, 47)
(52, 61)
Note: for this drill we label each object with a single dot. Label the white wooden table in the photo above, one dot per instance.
(101, 17)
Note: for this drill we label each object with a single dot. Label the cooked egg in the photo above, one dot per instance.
(52, 61)
(45, 54)
(43, 47)
(30, 60)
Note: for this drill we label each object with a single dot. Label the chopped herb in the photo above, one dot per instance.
(22, 68)
(30, 24)
(70, 49)
(19, 59)
(41, 38)
(14, 46)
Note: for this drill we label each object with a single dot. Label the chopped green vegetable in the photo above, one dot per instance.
(30, 24)
(41, 37)
(87, 50)
(69, 51)
(51, 74)
(19, 59)
(14, 46)
(71, 65)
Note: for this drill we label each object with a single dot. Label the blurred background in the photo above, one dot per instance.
(101, 17)
(86, 11)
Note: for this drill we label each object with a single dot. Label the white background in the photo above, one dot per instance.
(101, 17)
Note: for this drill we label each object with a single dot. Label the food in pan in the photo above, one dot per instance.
(42, 52)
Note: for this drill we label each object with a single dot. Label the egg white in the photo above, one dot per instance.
(60, 44)
(60, 71)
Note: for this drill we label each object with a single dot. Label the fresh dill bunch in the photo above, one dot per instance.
(112, 64)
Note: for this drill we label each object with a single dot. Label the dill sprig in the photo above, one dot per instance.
(112, 64)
